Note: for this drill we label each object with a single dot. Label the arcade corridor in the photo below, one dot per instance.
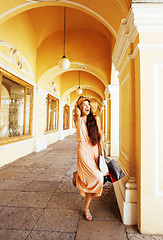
(39, 202)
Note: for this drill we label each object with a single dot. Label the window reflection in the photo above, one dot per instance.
(12, 109)
(52, 113)
(15, 110)
(66, 113)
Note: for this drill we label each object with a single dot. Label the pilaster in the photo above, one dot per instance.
(114, 141)
(122, 94)
(148, 19)
(40, 142)
(61, 134)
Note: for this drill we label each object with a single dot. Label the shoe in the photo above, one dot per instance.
(88, 215)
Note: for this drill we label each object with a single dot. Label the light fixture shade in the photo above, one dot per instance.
(64, 63)
(79, 91)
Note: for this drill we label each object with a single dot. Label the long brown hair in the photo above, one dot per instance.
(93, 131)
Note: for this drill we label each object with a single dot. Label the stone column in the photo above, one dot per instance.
(61, 134)
(114, 143)
(40, 142)
(148, 18)
(138, 58)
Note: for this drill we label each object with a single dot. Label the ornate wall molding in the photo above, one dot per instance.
(127, 34)
(15, 58)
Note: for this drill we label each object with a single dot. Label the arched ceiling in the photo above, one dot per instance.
(54, 22)
(70, 81)
(82, 46)
(110, 13)
(91, 31)
(87, 92)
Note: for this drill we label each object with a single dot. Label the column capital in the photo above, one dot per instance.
(107, 92)
(127, 34)
(148, 15)
(113, 88)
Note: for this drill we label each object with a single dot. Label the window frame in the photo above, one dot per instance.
(47, 117)
(26, 85)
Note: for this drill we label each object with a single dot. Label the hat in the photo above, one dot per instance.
(81, 99)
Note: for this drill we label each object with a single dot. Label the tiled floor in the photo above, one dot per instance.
(39, 202)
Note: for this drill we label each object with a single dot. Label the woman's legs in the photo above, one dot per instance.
(88, 199)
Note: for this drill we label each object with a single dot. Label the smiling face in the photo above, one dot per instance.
(85, 108)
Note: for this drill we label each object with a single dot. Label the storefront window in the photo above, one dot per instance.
(15, 107)
(66, 113)
(52, 113)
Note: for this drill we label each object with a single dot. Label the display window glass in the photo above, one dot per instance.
(66, 114)
(15, 108)
(52, 104)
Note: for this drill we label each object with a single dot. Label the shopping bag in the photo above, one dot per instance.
(115, 172)
(103, 165)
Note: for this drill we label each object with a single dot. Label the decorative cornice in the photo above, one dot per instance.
(127, 34)
(143, 17)
(148, 15)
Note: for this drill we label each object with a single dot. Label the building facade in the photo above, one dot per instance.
(115, 50)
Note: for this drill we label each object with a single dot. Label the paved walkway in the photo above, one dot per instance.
(39, 202)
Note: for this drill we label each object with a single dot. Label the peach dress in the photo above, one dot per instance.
(89, 179)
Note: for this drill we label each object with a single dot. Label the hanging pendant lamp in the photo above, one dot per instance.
(79, 90)
(64, 63)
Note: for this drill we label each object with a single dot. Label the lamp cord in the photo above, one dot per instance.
(64, 31)
(79, 79)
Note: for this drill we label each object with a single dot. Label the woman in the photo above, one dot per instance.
(89, 179)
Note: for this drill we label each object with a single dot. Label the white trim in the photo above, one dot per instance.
(17, 74)
(2, 147)
(157, 192)
(56, 68)
(124, 66)
(29, 67)
(132, 56)
(121, 150)
(14, 9)
(88, 10)
(8, 59)
(125, 155)
(126, 199)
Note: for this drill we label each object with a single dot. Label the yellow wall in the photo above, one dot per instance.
(19, 32)
(125, 115)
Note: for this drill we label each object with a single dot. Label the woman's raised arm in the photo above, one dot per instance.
(77, 114)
